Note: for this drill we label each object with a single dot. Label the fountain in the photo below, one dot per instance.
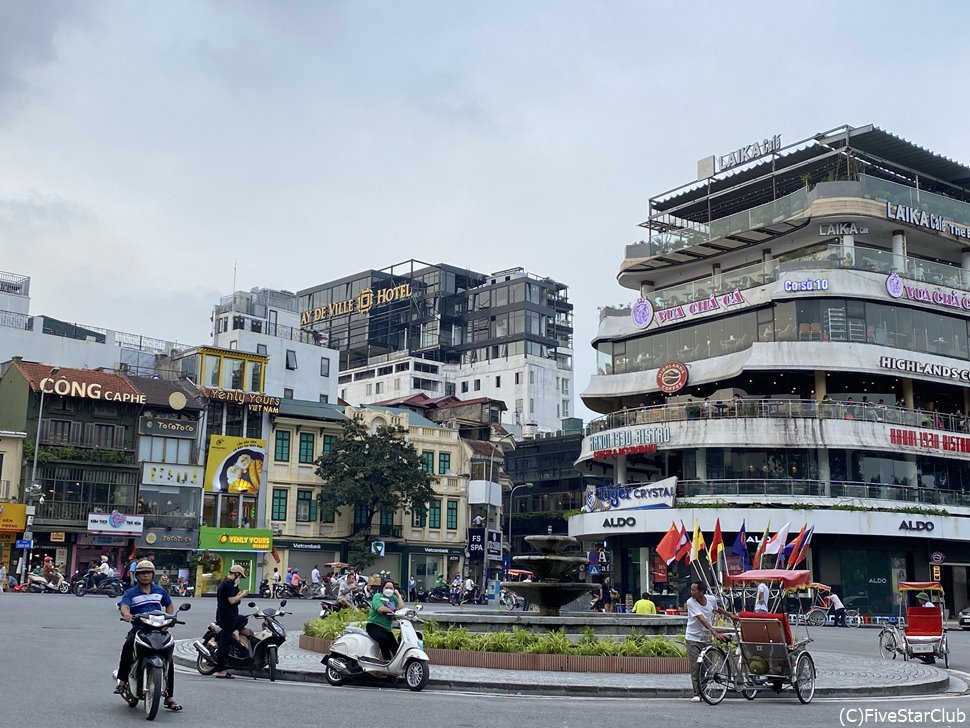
(550, 592)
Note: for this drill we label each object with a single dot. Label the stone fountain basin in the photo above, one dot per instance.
(550, 544)
(550, 568)
(549, 594)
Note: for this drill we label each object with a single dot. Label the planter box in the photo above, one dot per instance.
(553, 663)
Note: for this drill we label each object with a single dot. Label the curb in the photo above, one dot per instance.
(935, 685)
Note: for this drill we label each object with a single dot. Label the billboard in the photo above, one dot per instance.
(234, 464)
(115, 522)
(13, 517)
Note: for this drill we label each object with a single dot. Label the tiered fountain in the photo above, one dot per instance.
(553, 587)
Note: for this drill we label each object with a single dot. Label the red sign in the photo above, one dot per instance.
(672, 376)
(929, 440)
(631, 450)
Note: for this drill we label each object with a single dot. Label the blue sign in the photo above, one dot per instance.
(24, 543)
(594, 570)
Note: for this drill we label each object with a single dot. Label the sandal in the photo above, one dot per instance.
(173, 706)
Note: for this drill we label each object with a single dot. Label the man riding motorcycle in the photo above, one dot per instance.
(227, 617)
(145, 596)
(348, 587)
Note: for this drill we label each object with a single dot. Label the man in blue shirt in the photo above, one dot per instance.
(145, 596)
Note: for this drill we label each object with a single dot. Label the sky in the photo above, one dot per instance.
(153, 152)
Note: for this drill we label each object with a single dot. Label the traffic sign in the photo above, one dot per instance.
(23, 543)
(28, 535)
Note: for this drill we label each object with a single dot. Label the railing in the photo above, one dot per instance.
(780, 408)
(882, 190)
(14, 320)
(74, 510)
(14, 283)
(181, 522)
(819, 489)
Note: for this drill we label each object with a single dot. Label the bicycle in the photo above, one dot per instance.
(853, 618)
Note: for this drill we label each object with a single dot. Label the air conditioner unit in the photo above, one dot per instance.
(277, 529)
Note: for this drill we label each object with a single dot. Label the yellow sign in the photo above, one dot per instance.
(235, 539)
(936, 573)
(364, 302)
(57, 537)
(13, 516)
(234, 465)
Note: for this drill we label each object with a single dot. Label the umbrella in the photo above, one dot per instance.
(337, 565)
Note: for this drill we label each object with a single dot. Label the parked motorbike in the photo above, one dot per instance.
(180, 589)
(510, 600)
(57, 584)
(250, 654)
(109, 586)
(153, 648)
(435, 594)
(354, 654)
(265, 592)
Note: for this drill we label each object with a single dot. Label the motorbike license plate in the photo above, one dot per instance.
(920, 649)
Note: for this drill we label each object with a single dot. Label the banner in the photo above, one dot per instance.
(171, 474)
(115, 523)
(235, 539)
(476, 545)
(13, 517)
(234, 465)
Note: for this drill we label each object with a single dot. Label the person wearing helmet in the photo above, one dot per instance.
(227, 617)
(295, 579)
(144, 596)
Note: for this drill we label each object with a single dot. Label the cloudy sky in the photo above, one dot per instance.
(147, 147)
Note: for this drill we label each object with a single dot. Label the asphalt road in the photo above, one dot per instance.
(57, 654)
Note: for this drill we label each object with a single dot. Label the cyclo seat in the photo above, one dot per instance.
(761, 627)
(923, 624)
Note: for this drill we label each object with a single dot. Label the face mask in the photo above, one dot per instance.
(389, 592)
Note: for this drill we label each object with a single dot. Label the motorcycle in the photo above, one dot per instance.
(153, 648)
(354, 654)
(436, 594)
(265, 592)
(288, 591)
(57, 584)
(257, 652)
(109, 586)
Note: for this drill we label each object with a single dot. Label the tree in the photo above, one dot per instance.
(373, 472)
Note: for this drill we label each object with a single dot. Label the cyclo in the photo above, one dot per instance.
(923, 635)
(758, 652)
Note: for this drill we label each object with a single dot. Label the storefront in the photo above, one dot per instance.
(88, 549)
(426, 563)
(169, 549)
(302, 555)
(222, 548)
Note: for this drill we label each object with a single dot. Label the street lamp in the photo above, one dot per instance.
(33, 488)
(512, 493)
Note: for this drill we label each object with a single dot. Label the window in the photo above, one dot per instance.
(360, 518)
(324, 399)
(565, 408)
(444, 462)
(279, 504)
(326, 514)
(427, 461)
(370, 389)
(464, 387)
(282, 454)
(232, 373)
(518, 377)
(532, 406)
(518, 405)
(290, 359)
(378, 387)
(261, 349)
(452, 522)
(324, 367)
(306, 448)
(419, 516)
(328, 441)
(565, 386)
(254, 424)
(532, 376)
(478, 385)
(498, 382)
(287, 393)
(306, 505)
(434, 513)
(255, 376)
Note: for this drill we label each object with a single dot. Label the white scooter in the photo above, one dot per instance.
(354, 654)
(57, 584)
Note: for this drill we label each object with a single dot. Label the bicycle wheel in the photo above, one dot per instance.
(804, 678)
(816, 618)
(853, 620)
(713, 675)
(887, 644)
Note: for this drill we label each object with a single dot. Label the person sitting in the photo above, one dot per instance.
(644, 605)
(761, 598)
(379, 624)
(345, 593)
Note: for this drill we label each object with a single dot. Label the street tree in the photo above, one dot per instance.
(373, 472)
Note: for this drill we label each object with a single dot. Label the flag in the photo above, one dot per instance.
(740, 548)
(683, 543)
(792, 548)
(717, 543)
(802, 549)
(759, 552)
(667, 548)
(776, 542)
(697, 545)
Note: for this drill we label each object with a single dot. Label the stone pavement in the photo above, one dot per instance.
(839, 675)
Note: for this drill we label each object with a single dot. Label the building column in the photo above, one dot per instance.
(620, 474)
(825, 472)
(701, 459)
(908, 393)
(646, 288)
(821, 385)
(848, 248)
(965, 264)
(899, 251)
(910, 469)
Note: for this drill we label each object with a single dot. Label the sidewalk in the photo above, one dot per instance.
(838, 675)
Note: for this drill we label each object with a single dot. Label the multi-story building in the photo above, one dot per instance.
(798, 352)
(441, 330)
(267, 322)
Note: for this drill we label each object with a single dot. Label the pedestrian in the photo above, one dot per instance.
(606, 595)
(412, 589)
(228, 619)
(839, 610)
(277, 582)
(644, 605)
(701, 609)
(315, 576)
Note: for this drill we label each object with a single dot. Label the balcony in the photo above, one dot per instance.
(188, 522)
(73, 512)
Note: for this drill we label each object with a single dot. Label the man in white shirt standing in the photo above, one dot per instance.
(701, 609)
(839, 616)
(315, 579)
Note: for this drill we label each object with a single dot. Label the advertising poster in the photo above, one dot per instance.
(234, 465)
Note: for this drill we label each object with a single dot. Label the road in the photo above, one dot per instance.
(58, 653)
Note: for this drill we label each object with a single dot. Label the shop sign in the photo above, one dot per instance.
(685, 311)
(929, 440)
(493, 546)
(234, 464)
(235, 539)
(640, 497)
(937, 557)
(812, 284)
(58, 537)
(437, 550)
(254, 401)
(303, 545)
(175, 539)
(641, 313)
(91, 539)
(922, 218)
(627, 438)
(161, 427)
(476, 545)
(115, 522)
(170, 474)
(749, 152)
(926, 294)
(917, 526)
(13, 516)
(826, 229)
(672, 377)
(88, 390)
(921, 367)
(8, 537)
(364, 302)
(623, 522)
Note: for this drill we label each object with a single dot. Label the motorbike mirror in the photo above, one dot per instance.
(185, 607)
(418, 607)
(252, 604)
(282, 603)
